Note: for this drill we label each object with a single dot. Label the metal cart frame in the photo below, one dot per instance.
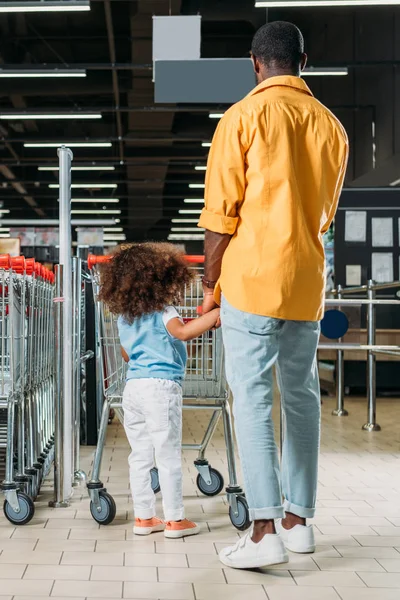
(204, 388)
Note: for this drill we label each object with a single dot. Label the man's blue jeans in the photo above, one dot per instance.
(253, 346)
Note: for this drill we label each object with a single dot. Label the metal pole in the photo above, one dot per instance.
(340, 411)
(59, 399)
(65, 158)
(371, 424)
(77, 336)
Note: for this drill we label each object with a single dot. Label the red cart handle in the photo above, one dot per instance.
(30, 266)
(93, 260)
(4, 261)
(18, 264)
(195, 259)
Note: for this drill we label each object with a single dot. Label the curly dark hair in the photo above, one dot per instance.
(143, 278)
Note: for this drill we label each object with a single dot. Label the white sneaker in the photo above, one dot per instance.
(245, 554)
(299, 539)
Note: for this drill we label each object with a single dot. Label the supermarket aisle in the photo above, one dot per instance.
(65, 554)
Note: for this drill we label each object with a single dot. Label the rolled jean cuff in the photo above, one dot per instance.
(300, 511)
(145, 513)
(271, 512)
(174, 515)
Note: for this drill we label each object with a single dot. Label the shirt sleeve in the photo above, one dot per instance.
(339, 184)
(225, 177)
(170, 313)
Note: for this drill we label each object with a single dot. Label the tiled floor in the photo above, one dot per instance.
(64, 554)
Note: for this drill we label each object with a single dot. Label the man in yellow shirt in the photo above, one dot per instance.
(275, 172)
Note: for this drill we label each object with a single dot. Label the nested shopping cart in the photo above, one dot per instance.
(204, 388)
(26, 382)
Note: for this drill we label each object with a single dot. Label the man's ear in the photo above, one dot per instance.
(303, 62)
(256, 64)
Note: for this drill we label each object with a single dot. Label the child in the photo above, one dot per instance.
(141, 284)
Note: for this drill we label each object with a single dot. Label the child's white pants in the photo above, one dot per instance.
(153, 425)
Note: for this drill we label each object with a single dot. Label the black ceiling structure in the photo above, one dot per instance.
(155, 149)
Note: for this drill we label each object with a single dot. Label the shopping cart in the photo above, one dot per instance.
(204, 388)
(26, 382)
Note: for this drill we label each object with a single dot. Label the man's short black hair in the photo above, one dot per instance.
(280, 44)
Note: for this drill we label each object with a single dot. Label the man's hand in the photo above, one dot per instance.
(208, 301)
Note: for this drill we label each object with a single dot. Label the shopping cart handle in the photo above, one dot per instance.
(195, 259)
(18, 264)
(93, 260)
(4, 261)
(30, 266)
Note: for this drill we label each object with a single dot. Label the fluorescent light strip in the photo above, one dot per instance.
(187, 229)
(113, 229)
(4, 211)
(90, 186)
(4, 229)
(316, 3)
(95, 212)
(42, 73)
(49, 6)
(216, 115)
(200, 168)
(44, 117)
(206, 144)
(78, 168)
(184, 220)
(116, 236)
(69, 145)
(197, 186)
(194, 200)
(55, 222)
(5, 235)
(190, 212)
(395, 183)
(319, 72)
(185, 237)
(95, 200)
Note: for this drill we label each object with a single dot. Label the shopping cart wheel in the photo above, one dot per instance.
(214, 487)
(242, 520)
(27, 510)
(155, 480)
(108, 509)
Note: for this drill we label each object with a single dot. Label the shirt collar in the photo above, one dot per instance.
(283, 80)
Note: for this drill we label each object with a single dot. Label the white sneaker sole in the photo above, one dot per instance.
(176, 534)
(148, 530)
(297, 550)
(255, 564)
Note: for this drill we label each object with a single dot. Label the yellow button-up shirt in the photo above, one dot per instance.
(274, 176)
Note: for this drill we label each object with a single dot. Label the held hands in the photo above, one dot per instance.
(216, 315)
(209, 303)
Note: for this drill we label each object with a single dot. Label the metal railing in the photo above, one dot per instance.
(371, 347)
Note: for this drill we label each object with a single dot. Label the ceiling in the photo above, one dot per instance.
(154, 149)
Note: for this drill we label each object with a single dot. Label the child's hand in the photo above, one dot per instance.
(216, 313)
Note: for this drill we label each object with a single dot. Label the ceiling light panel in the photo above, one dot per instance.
(46, 6)
(323, 3)
(57, 168)
(42, 73)
(89, 186)
(48, 117)
(96, 200)
(186, 237)
(68, 145)
(95, 212)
